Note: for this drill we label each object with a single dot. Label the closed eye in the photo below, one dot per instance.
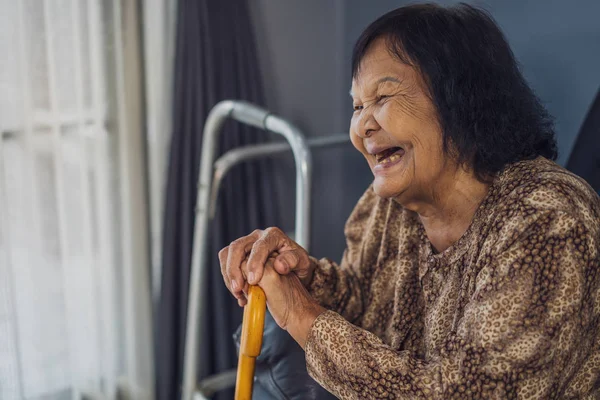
(377, 100)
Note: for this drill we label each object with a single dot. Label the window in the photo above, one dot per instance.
(62, 294)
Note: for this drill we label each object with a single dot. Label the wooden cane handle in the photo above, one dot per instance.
(251, 342)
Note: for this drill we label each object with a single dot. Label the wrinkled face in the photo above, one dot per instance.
(395, 127)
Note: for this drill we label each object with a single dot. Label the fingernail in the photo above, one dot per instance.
(285, 263)
(251, 277)
(234, 285)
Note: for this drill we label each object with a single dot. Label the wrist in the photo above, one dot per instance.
(302, 322)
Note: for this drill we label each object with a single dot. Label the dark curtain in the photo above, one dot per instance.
(215, 60)
(585, 156)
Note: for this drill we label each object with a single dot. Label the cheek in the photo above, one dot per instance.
(429, 155)
(354, 138)
(430, 141)
(394, 120)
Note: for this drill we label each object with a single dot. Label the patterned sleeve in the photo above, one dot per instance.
(527, 325)
(338, 287)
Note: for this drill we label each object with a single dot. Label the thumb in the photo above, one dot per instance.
(287, 261)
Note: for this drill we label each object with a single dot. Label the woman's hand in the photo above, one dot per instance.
(256, 248)
(290, 304)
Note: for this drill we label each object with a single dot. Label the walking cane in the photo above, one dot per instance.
(251, 341)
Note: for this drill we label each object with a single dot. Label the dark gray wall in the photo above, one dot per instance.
(301, 57)
(298, 44)
(305, 48)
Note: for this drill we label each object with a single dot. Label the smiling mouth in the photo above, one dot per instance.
(389, 156)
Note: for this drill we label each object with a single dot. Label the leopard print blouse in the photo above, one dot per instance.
(511, 310)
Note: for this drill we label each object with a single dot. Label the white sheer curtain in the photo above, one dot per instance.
(159, 55)
(75, 316)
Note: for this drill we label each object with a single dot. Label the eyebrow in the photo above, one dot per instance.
(381, 80)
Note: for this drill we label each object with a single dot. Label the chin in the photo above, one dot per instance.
(386, 190)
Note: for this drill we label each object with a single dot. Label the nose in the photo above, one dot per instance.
(366, 124)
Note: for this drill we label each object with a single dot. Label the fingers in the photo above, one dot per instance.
(236, 254)
(271, 240)
(243, 261)
(223, 261)
(231, 258)
(243, 298)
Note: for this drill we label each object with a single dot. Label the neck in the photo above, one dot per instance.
(448, 209)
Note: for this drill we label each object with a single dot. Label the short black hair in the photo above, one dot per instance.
(489, 115)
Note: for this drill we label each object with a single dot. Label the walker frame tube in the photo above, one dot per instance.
(252, 115)
(251, 152)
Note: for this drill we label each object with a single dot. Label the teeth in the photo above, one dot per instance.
(390, 159)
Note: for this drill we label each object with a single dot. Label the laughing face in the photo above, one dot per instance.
(395, 126)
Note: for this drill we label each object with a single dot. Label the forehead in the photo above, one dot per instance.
(377, 63)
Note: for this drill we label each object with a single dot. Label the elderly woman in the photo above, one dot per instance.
(472, 262)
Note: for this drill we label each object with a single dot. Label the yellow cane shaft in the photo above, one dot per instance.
(245, 378)
(251, 341)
